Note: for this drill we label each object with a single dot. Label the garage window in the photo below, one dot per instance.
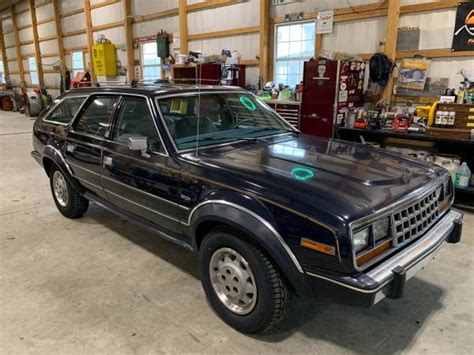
(33, 70)
(77, 62)
(151, 61)
(294, 45)
(2, 72)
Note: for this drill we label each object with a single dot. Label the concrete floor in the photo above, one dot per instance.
(101, 285)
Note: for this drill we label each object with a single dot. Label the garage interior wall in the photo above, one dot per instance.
(211, 26)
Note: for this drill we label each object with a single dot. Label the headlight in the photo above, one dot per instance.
(361, 239)
(380, 229)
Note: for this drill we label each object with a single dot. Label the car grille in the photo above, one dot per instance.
(413, 221)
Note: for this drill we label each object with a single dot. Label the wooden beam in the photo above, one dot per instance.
(156, 16)
(90, 37)
(435, 53)
(59, 37)
(46, 20)
(391, 33)
(24, 27)
(75, 33)
(17, 45)
(107, 26)
(104, 3)
(72, 13)
(127, 13)
(263, 39)
(21, 12)
(226, 33)
(24, 43)
(43, 4)
(46, 38)
(54, 54)
(39, 63)
(429, 6)
(318, 45)
(211, 4)
(78, 48)
(250, 62)
(183, 26)
(3, 52)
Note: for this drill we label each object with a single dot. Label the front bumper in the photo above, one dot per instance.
(388, 279)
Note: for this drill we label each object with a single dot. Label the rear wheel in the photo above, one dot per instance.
(67, 200)
(242, 284)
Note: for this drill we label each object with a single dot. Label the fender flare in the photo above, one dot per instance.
(256, 227)
(53, 154)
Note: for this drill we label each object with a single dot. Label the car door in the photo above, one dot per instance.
(84, 140)
(140, 181)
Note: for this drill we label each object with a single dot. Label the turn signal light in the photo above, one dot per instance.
(323, 248)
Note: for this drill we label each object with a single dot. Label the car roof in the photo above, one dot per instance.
(153, 90)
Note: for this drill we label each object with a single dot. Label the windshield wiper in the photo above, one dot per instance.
(264, 129)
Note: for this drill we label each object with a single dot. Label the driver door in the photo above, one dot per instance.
(139, 181)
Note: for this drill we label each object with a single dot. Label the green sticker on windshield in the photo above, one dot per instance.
(249, 105)
(302, 173)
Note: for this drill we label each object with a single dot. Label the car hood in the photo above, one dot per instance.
(319, 177)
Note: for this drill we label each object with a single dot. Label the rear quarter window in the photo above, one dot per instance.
(65, 111)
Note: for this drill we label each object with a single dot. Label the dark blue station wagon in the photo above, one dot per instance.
(272, 212)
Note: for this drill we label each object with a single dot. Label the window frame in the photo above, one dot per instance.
(36, 71)
(275, 46)
(72, 62)
(53, 108)
(143, 62)
(84, 107)
(116, 116)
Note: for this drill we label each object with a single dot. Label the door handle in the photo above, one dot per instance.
(108, 161)
(70, 147)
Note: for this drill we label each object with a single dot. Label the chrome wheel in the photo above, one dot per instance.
(60, 188)
(233, 281)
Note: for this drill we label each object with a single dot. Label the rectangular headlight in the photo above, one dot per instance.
(360, 240)
(380, 229)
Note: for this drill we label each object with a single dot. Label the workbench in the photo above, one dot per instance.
(463, 148)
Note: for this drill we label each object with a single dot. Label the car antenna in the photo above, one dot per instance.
(198, 110)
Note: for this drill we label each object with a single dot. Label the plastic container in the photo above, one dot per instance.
(462, 176)
(449, 162)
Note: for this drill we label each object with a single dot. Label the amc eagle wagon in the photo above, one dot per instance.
(272, 213)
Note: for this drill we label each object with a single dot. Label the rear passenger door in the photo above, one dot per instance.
(84, 140)
(140, 182)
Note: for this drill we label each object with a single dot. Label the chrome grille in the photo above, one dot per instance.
(413, 221)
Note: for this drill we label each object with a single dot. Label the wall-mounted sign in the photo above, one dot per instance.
(463, 38)
(324, 21)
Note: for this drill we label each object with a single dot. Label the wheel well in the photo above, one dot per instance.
(47, 165)
(204, 228)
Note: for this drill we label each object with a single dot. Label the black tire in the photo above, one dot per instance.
(273, 297)
(72, 205)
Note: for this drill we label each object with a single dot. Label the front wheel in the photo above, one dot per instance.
(67, 200)
(241, 283)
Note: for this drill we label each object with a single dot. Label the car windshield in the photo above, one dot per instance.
(215, 118)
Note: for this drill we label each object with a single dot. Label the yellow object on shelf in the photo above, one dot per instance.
(423, 111)
(432, 113)
(104, 59)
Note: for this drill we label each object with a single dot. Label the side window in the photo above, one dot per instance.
(65, 111)
(95, 118)
(135, 119)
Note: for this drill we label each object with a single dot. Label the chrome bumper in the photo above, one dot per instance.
(388, 279)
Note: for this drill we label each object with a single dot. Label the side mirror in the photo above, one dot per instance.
(139, 143)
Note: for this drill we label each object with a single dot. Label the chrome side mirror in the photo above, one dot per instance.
(139, 143)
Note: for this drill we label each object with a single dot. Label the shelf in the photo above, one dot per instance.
(416, 99)
(410, 135)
